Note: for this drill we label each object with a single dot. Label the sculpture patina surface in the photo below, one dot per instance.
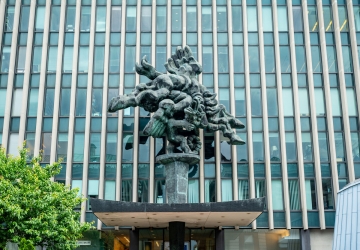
(181, 104)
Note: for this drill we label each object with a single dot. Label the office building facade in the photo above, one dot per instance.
(287, 69)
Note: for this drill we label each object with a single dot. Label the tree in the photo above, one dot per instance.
(34, 208)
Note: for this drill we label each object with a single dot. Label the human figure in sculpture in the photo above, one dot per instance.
(181, 104)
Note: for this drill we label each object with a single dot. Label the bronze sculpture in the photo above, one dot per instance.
(181, 104)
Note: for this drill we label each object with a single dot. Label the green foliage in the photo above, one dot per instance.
(26, 245)
(34, 208)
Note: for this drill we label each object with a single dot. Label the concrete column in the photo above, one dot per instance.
(265, 119)
(88, 110)
(305, 239)
(29, 48)
(219, 239)
(120, 113)
(232, 100)
(329, 121)
(136, 111)
(248, 107)
(342, 87)
(58, 77)
(201, 134)
(2, 13)
(73, 95)
(297, 118)
(134, 239)
(216, 87)
(152, 140)
(281, 118)
(315, 139)
(9, 90)
(176, 182)
(176, 235)
(104, 107)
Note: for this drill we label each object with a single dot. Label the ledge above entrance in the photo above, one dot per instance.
(195, 215)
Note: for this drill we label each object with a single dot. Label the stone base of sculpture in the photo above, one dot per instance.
(176, 170)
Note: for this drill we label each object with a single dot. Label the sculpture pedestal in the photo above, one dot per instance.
(176, 170)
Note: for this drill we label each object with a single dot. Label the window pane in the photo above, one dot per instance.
(21, 59)
(83, 59)
(161, 18)
(319, 101)
(131, 18)
(78, 147)
(221, 18)
(282, 18)
(100, 18)
(226, 190)
(40, 18)
(115, 19)
(256, 109)
(290, 146)
(176, 18)
(285, 59)
(24, 18)
(297, 18)
(277, 195)
(145, 18)
(191, 19)
(9, 16)
(267, 18)
(310, 194)
(55, 18)
(294, 195)
(335, 102)
(70, 19)
(206, 18)
(33, 102)
(68, 59)
(252, 18)
(193, 191)
(52, 58)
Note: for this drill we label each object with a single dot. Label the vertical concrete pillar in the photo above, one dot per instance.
(305, 239)
(219, 239)
(176, 235)
(134, 239)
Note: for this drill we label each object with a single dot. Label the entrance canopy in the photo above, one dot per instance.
(195, 215)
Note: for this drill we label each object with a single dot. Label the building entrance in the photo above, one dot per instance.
(195, 239)
(158, 239)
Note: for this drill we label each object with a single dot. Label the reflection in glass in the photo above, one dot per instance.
(210, 190)
(9, 17)
(131, 18)
(294, 195)
(176, 20)
(100, 18)
(226, 190)
(285, 59)
(160, 18)
(277, 195)
(191, 18)
(115, 25)
(78, 147)
(236, 18)
(206, 18)
(70, 18)
(310, 194)
(145, 18)
(193, 191)
(126, 190)
(267, 18)
(252, 18)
